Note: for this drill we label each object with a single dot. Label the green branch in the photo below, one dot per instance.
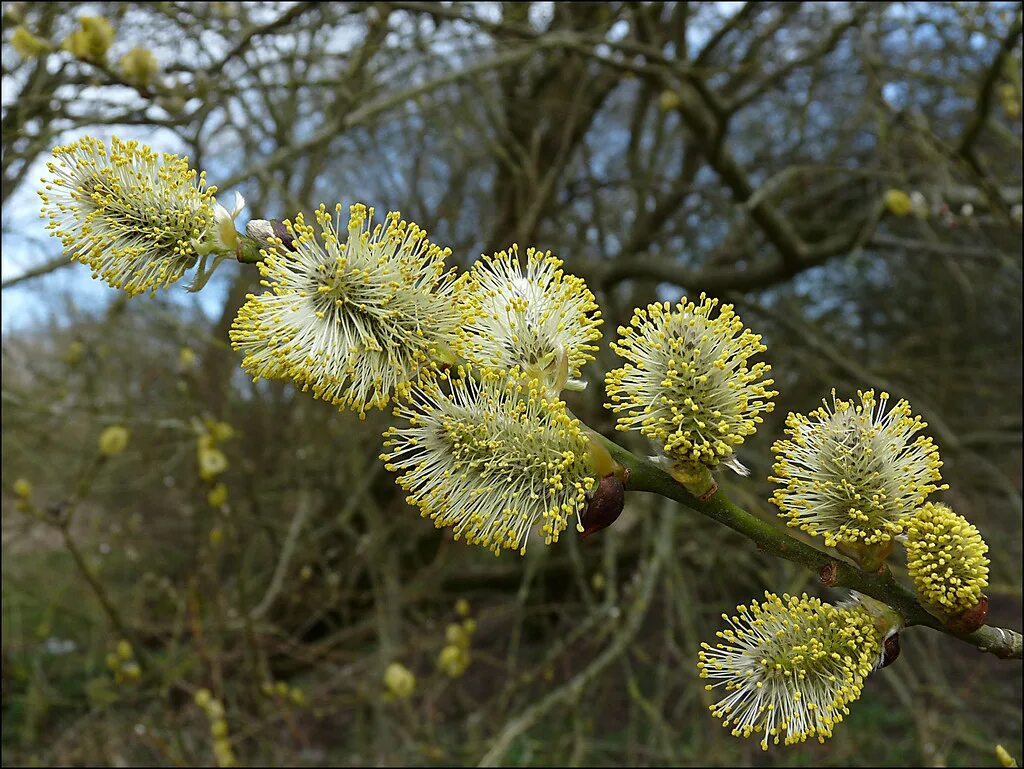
(833, 572)
(646, 476)
(249, 250)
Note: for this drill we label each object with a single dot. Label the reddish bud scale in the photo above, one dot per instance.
(971, 619)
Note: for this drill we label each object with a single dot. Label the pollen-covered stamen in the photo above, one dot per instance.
(537, 318)
(134, 216)
(789, 667)
(354, 322)
(854, 472)
(491, 458)
(946, 559)
(686, 383)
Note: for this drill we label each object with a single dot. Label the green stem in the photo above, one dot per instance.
(249, 250)
(881, 585)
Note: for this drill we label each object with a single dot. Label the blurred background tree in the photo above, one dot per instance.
(849, 174)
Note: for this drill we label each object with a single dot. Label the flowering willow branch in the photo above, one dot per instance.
(833, 572)
(475, 366)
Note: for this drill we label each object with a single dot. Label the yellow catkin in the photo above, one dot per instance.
(491, 458)
(453, 660)
(854, 471)
(91, 40)
(946, 558)
(898, 202)
(531, 316)
(212, 462)
(113, 440)
(139, 66)
(399, 681)
(789, 667)
(135, 217)
(686, 383)
(1004, 757)
(23, 488)
(355, 322)
(218, 495)
(27, 45)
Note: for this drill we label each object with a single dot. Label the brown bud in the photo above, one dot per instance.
(282, 232)
(829, 575)
(604, 507)
(971, 619)
(890, 650)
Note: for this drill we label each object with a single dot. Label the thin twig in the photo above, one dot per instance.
(302, 511)
(37, 272)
